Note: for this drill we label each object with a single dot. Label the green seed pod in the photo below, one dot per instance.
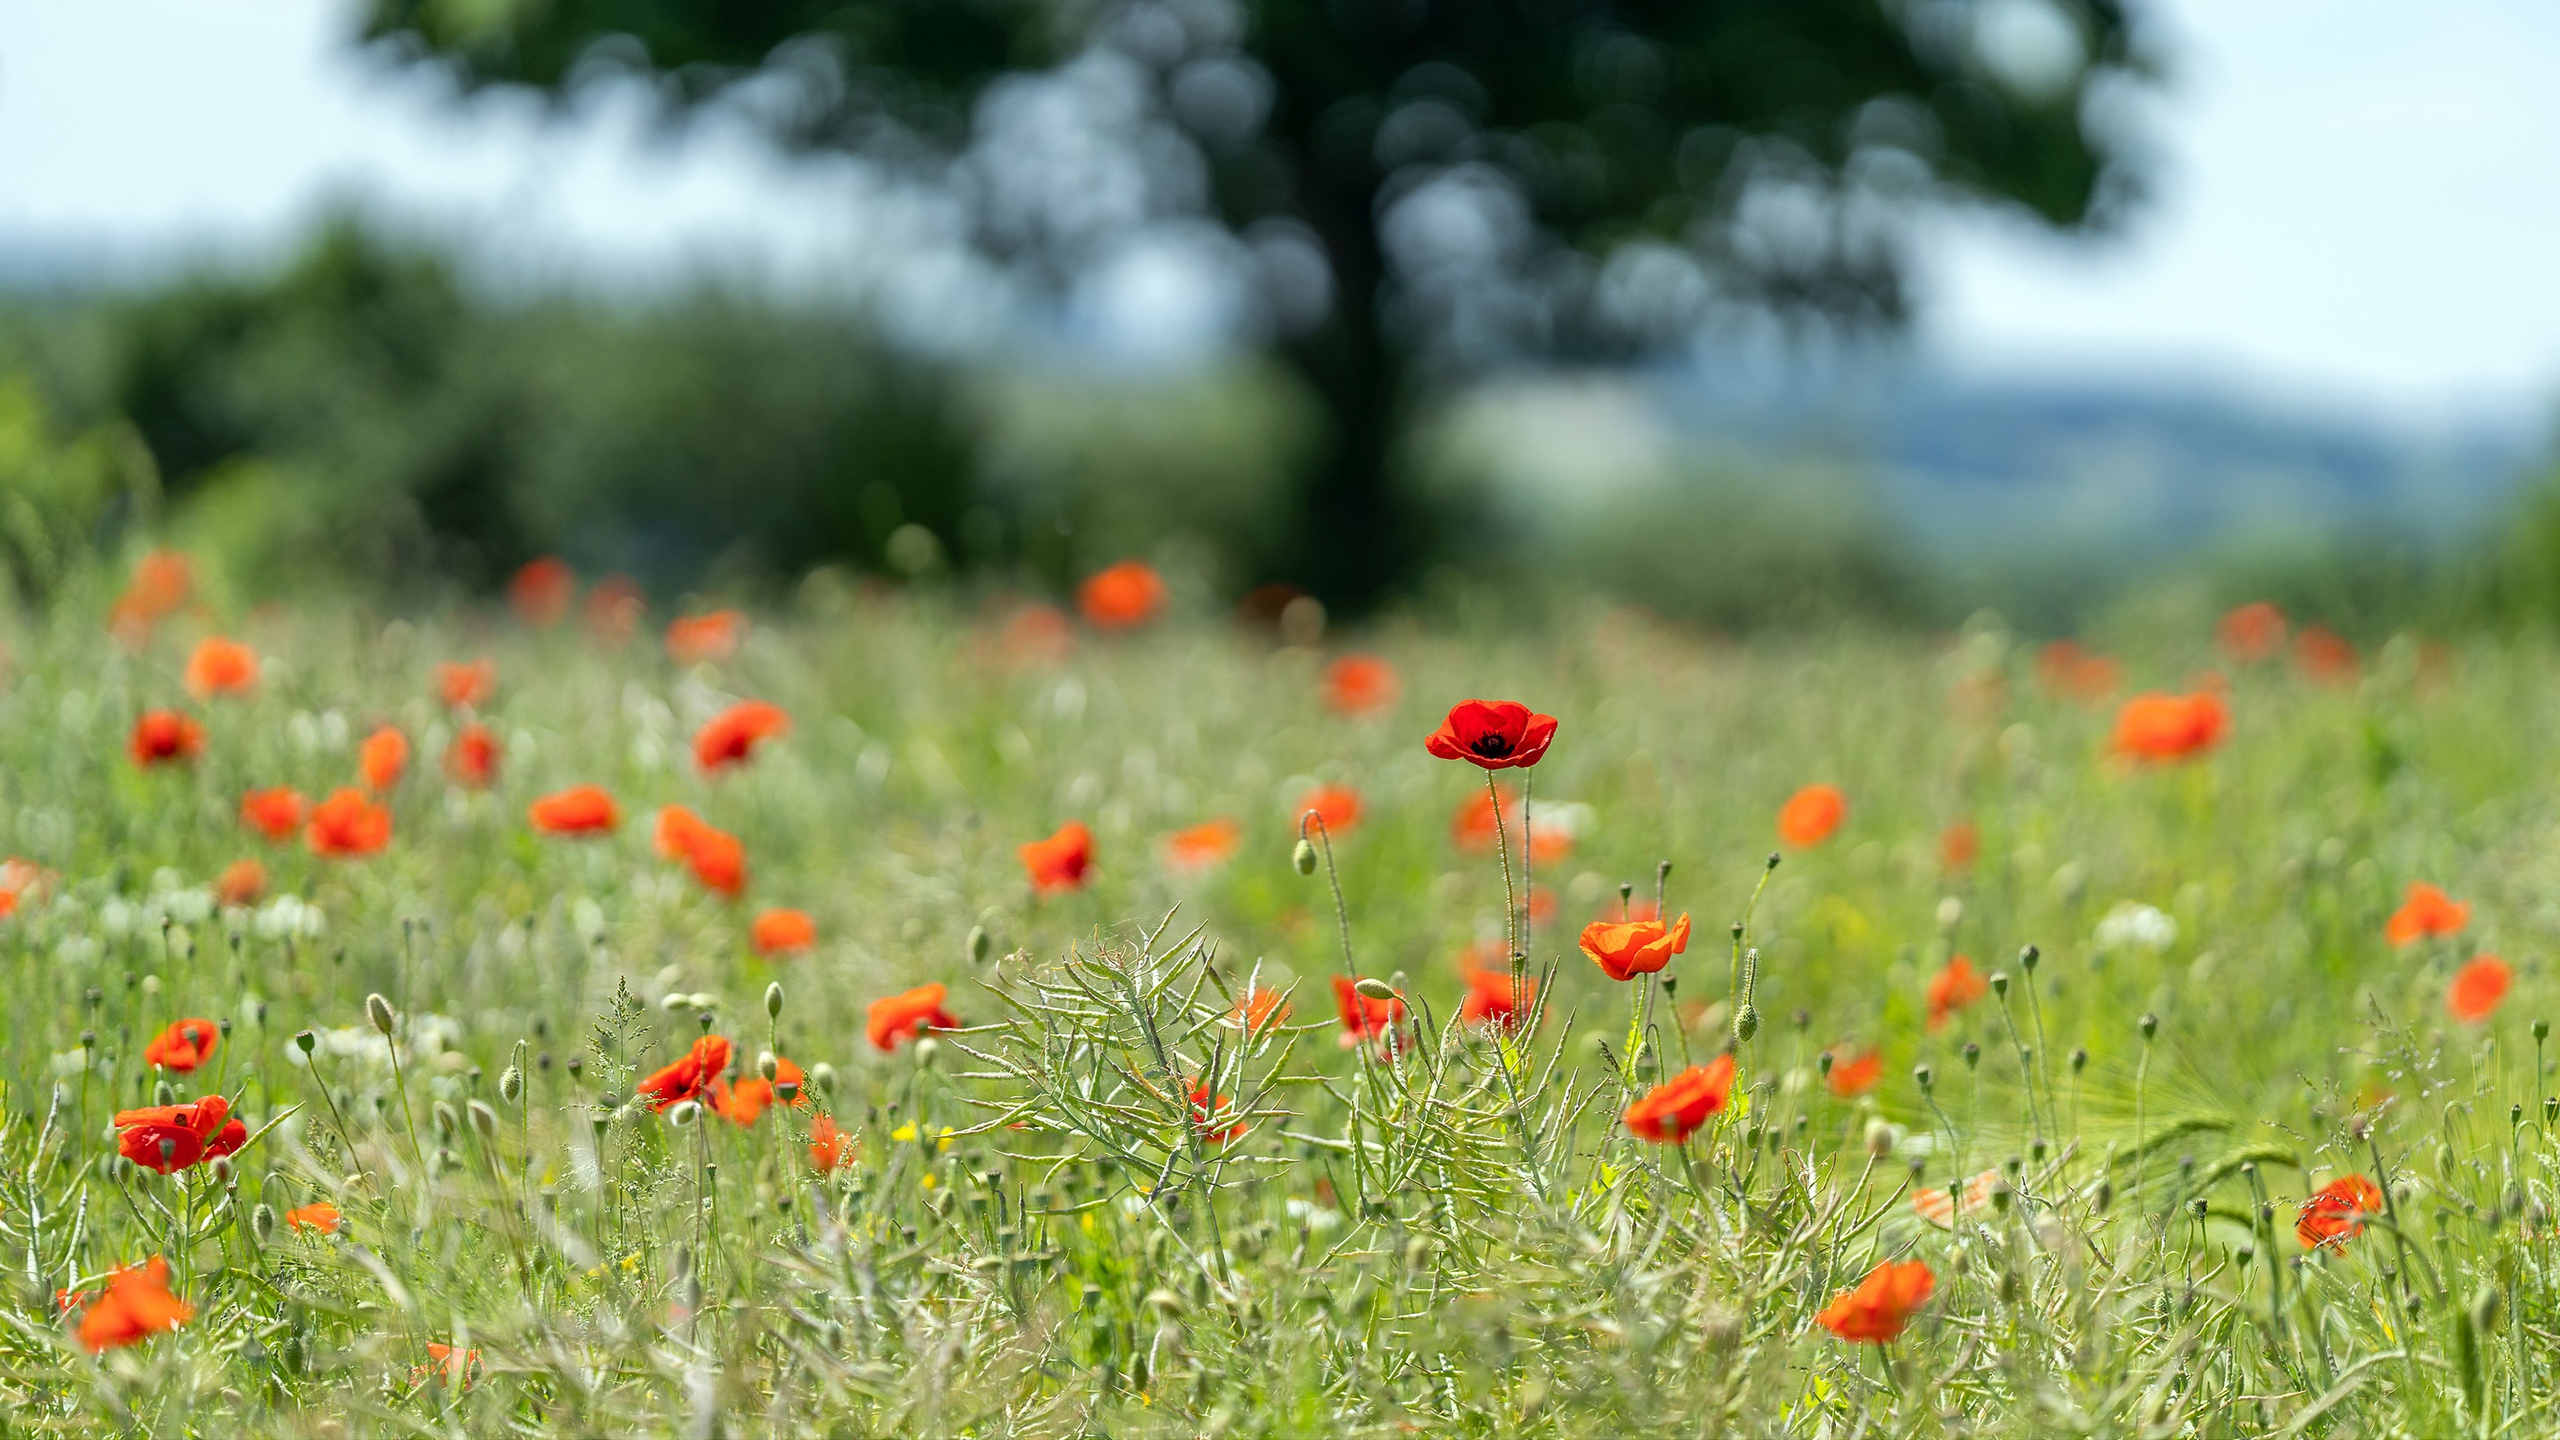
(767, 1064)
(823, 1076)
(683, 1113)
(2000, 983)
(773, 1001)
(1746, 1021)
(484, 1119)
(379, 1011)
(511, 1085)
(447, 1122)
(2541, 1029)
(981, 944)
(1371, 987)
(2149, 1023)
(1923, 1076)
(1303, 859)
(262, 1224)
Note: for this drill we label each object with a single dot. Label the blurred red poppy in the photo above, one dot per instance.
(731, 737)
(1877, 1309)
(242, 883)
(137, 1305)
(705, 639)
(1958, 846)
(1811, 814)
(908, 1015)
(1204, 846)
(578, 810)
(2335, 1213)
(744, 1102)
(1037, 634)
(1360, 685)
(784, 932)
(2159, 727)
(382, 758)
(1493, 735)
(1338, 806)
(827, 1144)
(1122, 597)
(1854, 1077)
(542, 590)
(275, 813)
(1362, 1017)
(2069, 672)
(2251, 633)
(2324, 656)
(471, 758)
(1672, 1111)
(319, 1218)
(467, 687)
(183, 1046)
(2478, 989)
(164, 737)
(691, 1076)
(1493, 1000)
(1060, 862)
(220, 667)
(2425, 911)
(347, 824)
(1260, 1009)
(1953, 988)
(162, 581)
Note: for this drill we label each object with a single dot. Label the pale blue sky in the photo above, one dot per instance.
(2355, 202)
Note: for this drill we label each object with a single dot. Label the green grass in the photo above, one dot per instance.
(1029, 1238)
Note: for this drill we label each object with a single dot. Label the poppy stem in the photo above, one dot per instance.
(1333, 876)
(1518, 961)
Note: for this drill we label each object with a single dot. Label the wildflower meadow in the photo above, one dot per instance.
(885, 1012)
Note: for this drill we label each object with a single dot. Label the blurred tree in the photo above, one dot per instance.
(1424, 185)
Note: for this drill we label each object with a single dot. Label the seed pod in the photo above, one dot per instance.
(1374, 988)
(484, 1119)
(262, 1224)
(676, 1000)
(788, 1092)
(981, 944)
(379, 1011)
(511, 1085)
(1303, 859)
(221, 1168)
(766, 1065)
(2000, 983)
(1972, 1055)
(2541, 1029)
(2079, 1058)
(164, 1093)
(2027, 958)
(1922, 1076)
(773, 1001)
(683, 1113)
(2149, 1023)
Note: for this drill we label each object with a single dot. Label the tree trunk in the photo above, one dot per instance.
(1357, 537)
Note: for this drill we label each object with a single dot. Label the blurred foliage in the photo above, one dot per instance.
(63, 494)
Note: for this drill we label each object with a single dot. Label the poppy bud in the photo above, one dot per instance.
(1879, 1138)
(1746, 1021)
(446, 1121)
(168, 1153)
(262, 1223)
(928, 1050)
(484, 1119)
(2515, 1115)
(1922, 1077)
(221, 1168)
(164, 1093)
(823, 1076)
(511, 1085)
(1373, 988)
(2541, 1030)
(1972, 1055)
(2027, 957)
(683, 1113)
(981, 944)
(788, 1092)
(1303, 859)
(2079, 1058)
(378, 1010)
(2488, 1309)
(2104, 1196)
(766, 1065)
(676, 1000)
(773, 1001)
(2150, 1023)
(1822, 1064)
(706, 1018)
(88, 1039)
(2000, 983)
(304, 1040)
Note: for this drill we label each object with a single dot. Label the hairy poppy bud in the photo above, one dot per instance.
(1303, 859)
(164, 1093)
(823, 1076)
(304, 1040)
(1822, 1064)
(511, 1085)
(981, 944)
(1746, 1021)
(1972, 1055)
(2104, 1196)
(773, 1001)
(262, 1224)
(484, 1119)
(1879, 1138)
(2027, 958)
(766, 1065)
(928, 1050)
(221, 1168)
(676, 1000)
(2079, 1058)
(378, 1010)
(2541, 1029)
(788, 1092)
(1373, 988)
(683, 1113)
(2000, 983)
(446, 1121)
(2150, 1024)
(1922, 1076)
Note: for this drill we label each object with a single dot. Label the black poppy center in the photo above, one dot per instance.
(1492, 745)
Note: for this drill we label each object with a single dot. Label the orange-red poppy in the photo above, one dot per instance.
(1878, 1307)
(2478, 989)
(1360, 685)
(1958, 846)
(908, 1015)
(2251, 633)
(2159, 727)
(1939, 1207)
(1624, 949)
(1204, 846)
(541, 592)
(220, 667)
(346, 825)
(744, 1102)
(1261, 1008)
(827, 1144)
(1122, 597)
(2425, 911)
(183, 1046)
(615, 608)
(162, 581)
(714, 855)
(1215, 1119)
(445, 1363)
(730, 737)
(1492, 999)
(467, 686)
(1338, 806)
(2324, 656)
(1954, 987)
(690, 1076)
(471, 757)
(578, 810)
(1493, 735)
(784, 932)
(2335, 1213)
(320, 1218)
(163, 737)
(242, 882)
(1037, 634)
(137, 1305)
(1363, 1018)
(1852, 1076)
(1061, 861)
(169, 1138)
(705, 639)
(382, 757)
(1674, 1110)
(1811, 814)
(275, 813)
(2069, 672)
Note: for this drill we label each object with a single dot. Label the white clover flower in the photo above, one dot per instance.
(2136, 926)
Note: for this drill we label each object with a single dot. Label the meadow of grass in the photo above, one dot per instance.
(1118, 1200)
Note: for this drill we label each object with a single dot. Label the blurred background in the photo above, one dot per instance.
(1758, 313)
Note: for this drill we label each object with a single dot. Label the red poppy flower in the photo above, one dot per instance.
(692, 1074)
(1939, 1207)
(2251, 633)
(220, 667)
(1338, 806)
(1851, 1078)
(2158, 727)
(1260, 1009)
(1360, 684)
(2478, 989)
(542, 591)
(243, 882)
(2324, 656)
(615, 609)
(1203, 846)
(1493, 734)
(471, 758)
(347, 824)
(382, 758)
(164, 737)
(320, 1218)
(908, 1015)
(1958, 846)
(1878, 1307)
(1624, 949)
(136, 1306)
(701, 639)
(578, 810)
(784, 932)
(169, 1138)
(467, 687)
(1037, 634)
(1811, 814)
(453, 1367)
(1492, 999)
(2335, 1213)
(162, 581)
(2425, 911)
(1672, 1111)
(2069, 672)
(1953, 988)
(275, 813)
(1363, 1018)
(1123, 597)
(715, 856)
(1061, 861)
(1211, 1117)
(730, 737)
(183, 1046)
(827, 1144)
(744, 1102)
